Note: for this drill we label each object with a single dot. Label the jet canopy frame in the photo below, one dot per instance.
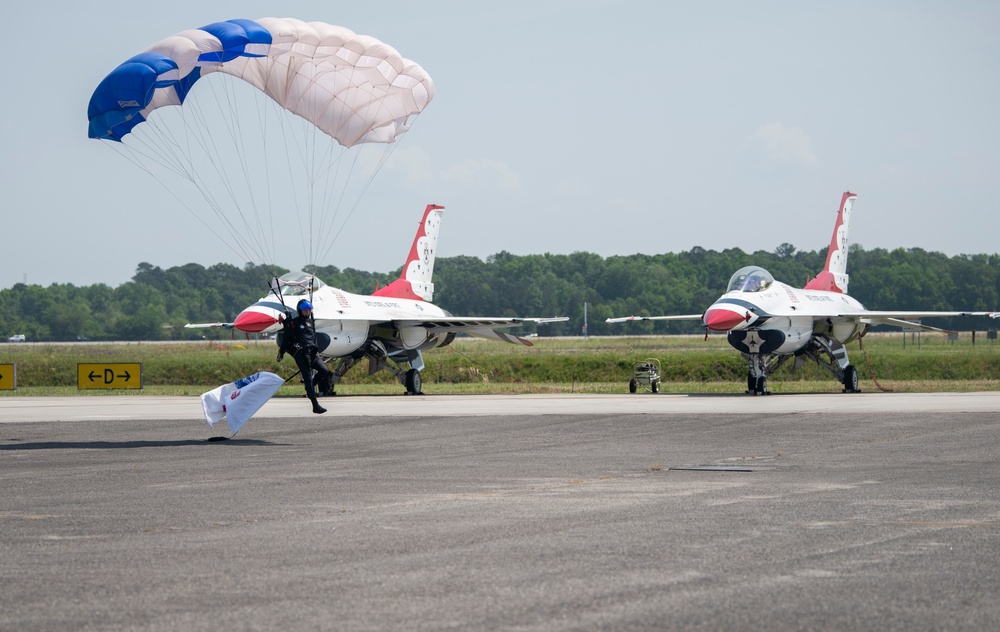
(299, 284)
(750, 279)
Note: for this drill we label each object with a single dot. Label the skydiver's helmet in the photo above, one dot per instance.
(303, 304)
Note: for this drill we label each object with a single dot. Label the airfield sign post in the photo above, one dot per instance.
(914, 333)
(8, 377)
(109, 375)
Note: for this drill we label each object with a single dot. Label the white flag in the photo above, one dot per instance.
(237, 401)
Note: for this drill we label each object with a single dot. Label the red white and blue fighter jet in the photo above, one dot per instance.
(770, 322)
(390, 327)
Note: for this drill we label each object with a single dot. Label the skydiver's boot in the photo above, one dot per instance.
(326, 386)
(319, 410)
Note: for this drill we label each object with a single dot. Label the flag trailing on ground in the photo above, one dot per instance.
(237, 401)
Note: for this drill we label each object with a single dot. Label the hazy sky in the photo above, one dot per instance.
(612, 127)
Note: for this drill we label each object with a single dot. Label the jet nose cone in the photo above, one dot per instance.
(721, 319)
(254, 322)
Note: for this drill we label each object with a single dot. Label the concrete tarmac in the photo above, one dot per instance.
(632, 512)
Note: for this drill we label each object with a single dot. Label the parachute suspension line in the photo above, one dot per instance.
(330, 237)
(169, 156)
(335, 197)
(311, 178)
(386, 154)
(268, 234)
(210, 150)
(306, 142)
(267, 250)
(336, 164)
(195, 126)
(235, 128)
(177, 168)
(232, 125)
(329, 163)
(294, 142)
(324, 154)
(327, 235)
(126, 151)
(194, 122)
(170, 160)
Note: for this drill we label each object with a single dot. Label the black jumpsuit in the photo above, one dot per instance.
(299, 340)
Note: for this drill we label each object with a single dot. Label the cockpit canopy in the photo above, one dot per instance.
(299, 284)
(750, 279)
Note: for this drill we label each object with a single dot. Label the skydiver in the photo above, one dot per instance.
(299, 339)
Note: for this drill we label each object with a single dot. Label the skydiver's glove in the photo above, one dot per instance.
(281, 356)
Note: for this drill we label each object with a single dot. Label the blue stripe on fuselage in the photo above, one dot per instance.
(747, 305)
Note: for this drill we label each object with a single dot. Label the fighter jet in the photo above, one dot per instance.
(770, 322)
(390, 327)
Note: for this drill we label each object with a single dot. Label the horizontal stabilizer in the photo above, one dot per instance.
(899, 315)
(491, 334)
(907, 320)
(477, 326)
(905, 324)
(457, 323)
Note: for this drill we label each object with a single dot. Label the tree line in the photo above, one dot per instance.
(157, 303)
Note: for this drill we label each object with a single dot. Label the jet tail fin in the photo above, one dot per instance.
(834, 277)
(415, 280)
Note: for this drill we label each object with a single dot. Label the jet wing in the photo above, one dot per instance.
(906, 324)
(916, 315)
(906, 319)
(629, 319)
(208, 325)
(479, 326)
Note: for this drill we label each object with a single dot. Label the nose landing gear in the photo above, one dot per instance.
(757, 375)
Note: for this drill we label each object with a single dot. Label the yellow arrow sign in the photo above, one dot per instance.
(8, 377)
(109, 375)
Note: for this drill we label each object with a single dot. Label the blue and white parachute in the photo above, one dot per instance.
(344, 88)
(353, 87)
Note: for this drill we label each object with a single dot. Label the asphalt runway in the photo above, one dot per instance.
(641, 512)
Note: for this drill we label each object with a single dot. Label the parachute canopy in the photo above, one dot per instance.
(280, 125)
(353, 87)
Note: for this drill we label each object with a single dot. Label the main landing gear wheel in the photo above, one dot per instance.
(851, 379)
(632, 386)
(413, 382)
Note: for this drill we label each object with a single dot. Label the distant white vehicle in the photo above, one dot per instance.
(16, 338)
